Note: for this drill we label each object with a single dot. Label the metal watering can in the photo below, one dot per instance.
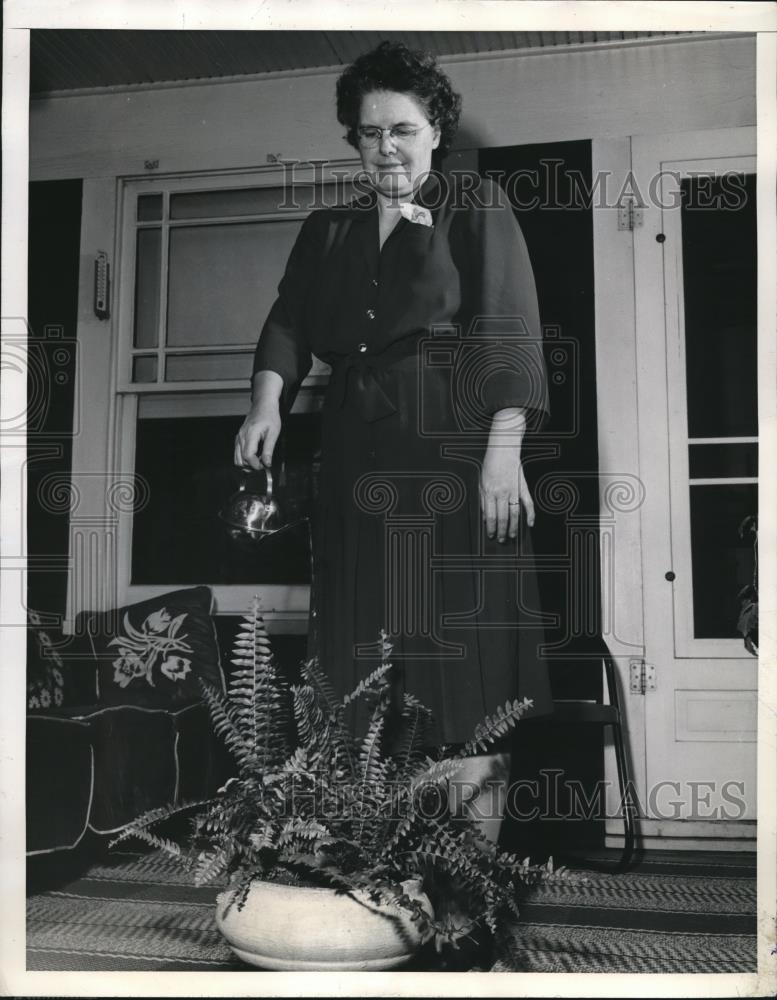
(253, 515)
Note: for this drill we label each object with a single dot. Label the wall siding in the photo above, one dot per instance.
(546, 96)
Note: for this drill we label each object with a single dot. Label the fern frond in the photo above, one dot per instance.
(410, 702)
(368, 684)
(153, 840)
(258, 697)
(371, 760)
(242, 887)
(265, 839)
(435, 772)
(495, 726)
(385, 646)
(338, 742)
(303, 829)
(140, 827)
(301, 841)
(296, 764)
(223, 722)
(402, 830)
(310, 721)
(457, 852)
(315, 678)
(416, 719)
(210, 865)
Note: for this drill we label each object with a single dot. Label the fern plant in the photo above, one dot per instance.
(334, 809)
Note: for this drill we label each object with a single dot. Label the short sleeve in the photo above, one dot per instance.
(283, 343)
(499, 307)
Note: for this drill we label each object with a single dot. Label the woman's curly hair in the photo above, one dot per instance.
(393, 66)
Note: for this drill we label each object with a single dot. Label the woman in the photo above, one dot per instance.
(420, 295)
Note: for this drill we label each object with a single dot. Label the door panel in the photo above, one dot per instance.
(695, 268)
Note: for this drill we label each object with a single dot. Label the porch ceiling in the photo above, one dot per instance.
(63, 60)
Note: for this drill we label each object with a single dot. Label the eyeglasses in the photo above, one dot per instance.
(370, 135)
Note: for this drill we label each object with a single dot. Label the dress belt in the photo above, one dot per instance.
(373, 388)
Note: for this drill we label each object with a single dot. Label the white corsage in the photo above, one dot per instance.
(416, 213)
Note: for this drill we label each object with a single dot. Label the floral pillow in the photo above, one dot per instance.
(152, 654)
(46, 673)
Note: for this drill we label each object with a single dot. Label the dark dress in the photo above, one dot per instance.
(427, 338)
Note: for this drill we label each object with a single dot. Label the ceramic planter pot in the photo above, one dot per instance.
(295, 928)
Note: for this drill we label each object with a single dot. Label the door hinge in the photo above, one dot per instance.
(642, 676)
(630, 215)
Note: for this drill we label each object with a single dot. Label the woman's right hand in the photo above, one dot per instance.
(258, 435)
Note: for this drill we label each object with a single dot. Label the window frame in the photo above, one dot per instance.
(285, 607)
(128, 227)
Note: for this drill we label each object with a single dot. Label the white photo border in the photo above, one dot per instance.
(22, 15)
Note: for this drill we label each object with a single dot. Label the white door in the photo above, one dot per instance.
(695, 284)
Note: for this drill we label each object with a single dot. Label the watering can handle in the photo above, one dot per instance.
(267, 473)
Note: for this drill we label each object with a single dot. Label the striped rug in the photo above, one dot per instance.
(673, 913)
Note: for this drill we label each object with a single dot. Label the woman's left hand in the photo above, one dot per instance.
(503, 491)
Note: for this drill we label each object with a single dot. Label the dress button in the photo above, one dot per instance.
(375, 282)
(362, 348)
(371, 313)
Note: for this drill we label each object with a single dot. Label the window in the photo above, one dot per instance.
(204, 264)
(200, 263)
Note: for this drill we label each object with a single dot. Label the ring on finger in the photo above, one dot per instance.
(513, 503)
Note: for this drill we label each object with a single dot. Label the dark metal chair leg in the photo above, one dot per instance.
(621, 760)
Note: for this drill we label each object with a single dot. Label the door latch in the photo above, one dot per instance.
(642, 676)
